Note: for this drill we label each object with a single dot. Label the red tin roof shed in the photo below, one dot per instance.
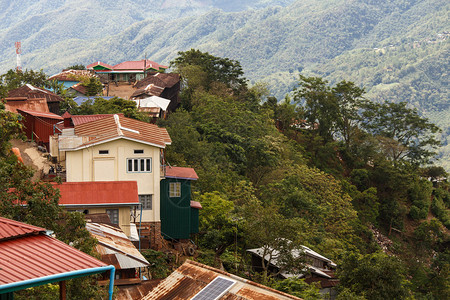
(181, 173)
(39, 125)
(29, 257)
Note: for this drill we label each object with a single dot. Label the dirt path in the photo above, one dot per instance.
(33, 157)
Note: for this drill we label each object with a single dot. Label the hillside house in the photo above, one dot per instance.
(179, 214)
(29, 92)
(164, 85)
(317, 268)
(116, 249)
(118, 199)
(127, 71)
(155, 107)
(69, 78)
(116, 148)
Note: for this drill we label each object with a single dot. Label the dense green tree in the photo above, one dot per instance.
(93, 86)
(201, 71)
(374, 276)
(420, 197)
(14, 79)
(9, 128)
(279, 238)
(404, 135)
(115, 105)
(217, 225)
(216, 69)
(76, 67)
(348, 97)
(320, 106)
(298, 287)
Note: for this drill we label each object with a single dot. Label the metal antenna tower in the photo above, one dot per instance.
(18, 52)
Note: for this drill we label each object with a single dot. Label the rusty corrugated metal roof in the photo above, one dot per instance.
(25, 257)
(149, 90)
(115, 247)
(98, 193)
(71, 75)
(192, 277)
(47, 115)
(181, 173)
(118, 126)
(10, 228)
(32, 92)
(36, 104)
(165, 80)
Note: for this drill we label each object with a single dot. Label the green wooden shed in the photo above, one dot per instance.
(179, 214)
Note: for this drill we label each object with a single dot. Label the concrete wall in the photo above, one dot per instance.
(124, 214)
(88, 165)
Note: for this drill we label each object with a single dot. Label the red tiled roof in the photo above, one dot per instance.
(196, 204)
(81, 119)
(47, 115)
(118, 126)
(99, 63)
(10, 228)
(36, 256)
(181, 173)
(79, 88)
(138, 65)
(98, 193)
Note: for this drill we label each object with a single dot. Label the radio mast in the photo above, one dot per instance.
(18, 52)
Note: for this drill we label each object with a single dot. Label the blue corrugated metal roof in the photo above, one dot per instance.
(79, 100)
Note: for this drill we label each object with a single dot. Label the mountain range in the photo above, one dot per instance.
(397, 49)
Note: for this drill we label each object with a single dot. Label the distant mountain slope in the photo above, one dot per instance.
(397, 49)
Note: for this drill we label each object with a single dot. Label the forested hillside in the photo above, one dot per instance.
(349, 181)
(398, 50)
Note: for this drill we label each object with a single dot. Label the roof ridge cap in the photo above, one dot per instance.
(117, 120)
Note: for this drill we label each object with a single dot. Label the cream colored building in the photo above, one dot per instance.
(116, 148)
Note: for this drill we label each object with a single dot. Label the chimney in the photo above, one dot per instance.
(67, 120)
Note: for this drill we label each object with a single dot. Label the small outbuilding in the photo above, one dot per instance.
(39, 126)
(29, 257)
(179, 214)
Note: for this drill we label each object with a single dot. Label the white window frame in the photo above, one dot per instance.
(139, 165)
(146, 201)
(174, 189)
(112, 214)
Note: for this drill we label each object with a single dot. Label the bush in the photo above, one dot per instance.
(440, 211)
(298, 287)
(420, 195)
(160, 263)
